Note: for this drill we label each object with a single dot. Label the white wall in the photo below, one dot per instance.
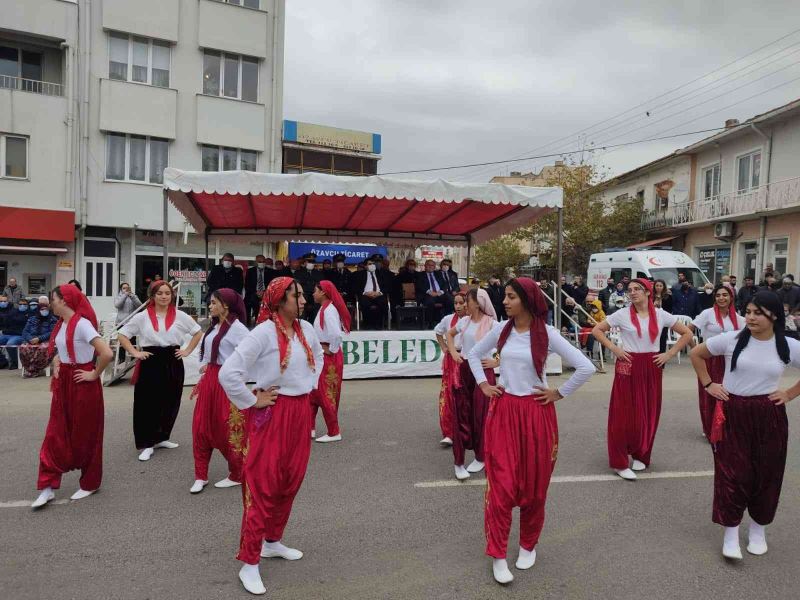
(678, 170)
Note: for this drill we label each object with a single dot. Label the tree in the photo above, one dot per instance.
(496, 256)
(589, 224)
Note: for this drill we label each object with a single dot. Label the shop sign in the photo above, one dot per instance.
(188, 276)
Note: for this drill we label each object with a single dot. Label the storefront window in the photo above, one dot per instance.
(714, 263)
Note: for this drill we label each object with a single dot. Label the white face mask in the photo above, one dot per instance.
(340, 265)
(445, 268)
(261, 265)
(371, 268)
(310, 266)
(227, 264)
(708, 291)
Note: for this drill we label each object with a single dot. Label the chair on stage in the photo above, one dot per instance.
(409, 315)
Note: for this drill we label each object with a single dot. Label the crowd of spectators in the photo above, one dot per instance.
(26, 326)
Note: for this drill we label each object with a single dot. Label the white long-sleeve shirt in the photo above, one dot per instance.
(444, 326)
(468, 330)
(236, 333)
(332, 333)
(258, 354)
(517, 373)
(141, 328)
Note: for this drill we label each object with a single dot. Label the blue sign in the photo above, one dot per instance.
(354, 253)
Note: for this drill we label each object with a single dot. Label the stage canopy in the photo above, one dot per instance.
(377, 209)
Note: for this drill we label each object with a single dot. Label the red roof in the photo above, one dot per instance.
(37, 224)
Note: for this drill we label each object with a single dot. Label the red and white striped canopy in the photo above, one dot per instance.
(330, 208)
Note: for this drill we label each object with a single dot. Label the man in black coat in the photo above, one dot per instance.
(579, 290)
(256, 282)
(339, 275)
(745, 294)
(497, 294)
(372, 289)
(225, 275)
(309, 276)
(432, 295)
(604, 294)
(449, 277)
(789, 293)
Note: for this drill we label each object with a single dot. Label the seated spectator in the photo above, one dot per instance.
(449, 277)
(618, 299)
(36, 338)
(370, 287)
(791, 323)
(594, 308)
(432, 295)
(789, 293)
(13, 292)
(12, 331)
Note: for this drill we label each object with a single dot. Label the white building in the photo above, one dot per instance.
(96, 98)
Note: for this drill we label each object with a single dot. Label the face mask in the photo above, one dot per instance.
(310, 266)
(3, 304)
(371, 268)
(22, 308)
(44, 312)
(445, 268)
(340, 265)
(33, 307)
(227, 264)
(261, 265)
(709, 291)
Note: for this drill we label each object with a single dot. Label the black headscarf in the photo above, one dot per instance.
(770, 304)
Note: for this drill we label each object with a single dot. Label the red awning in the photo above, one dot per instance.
(651, 243)
(37, 224)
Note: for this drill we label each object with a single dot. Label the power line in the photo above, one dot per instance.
(500, 162)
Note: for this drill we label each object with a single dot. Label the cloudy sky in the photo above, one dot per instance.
(456, 82)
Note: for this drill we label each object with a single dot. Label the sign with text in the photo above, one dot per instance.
(354, 253)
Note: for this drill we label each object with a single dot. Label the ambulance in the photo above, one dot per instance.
(652, 264)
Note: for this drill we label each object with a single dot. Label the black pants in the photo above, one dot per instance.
(437, 307)
(157, 396)
(373, 310)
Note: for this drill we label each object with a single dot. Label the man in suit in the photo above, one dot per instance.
(407, 274)
(432, 295)
(256, 281)
(449, 277)
(309, 276)
(225, 275)
(339, 275)
(371, 289)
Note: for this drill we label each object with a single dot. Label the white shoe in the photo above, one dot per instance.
(81, 494)
(166, 444)
(757, 540)
(461, 473)
(446, 441)
(251, 580)
(45, 496)
(638, 466)
(278, 550)
(313, 433)
(226, 483)
(526, 558)
(329, 438)
(501, 572)
(626, 474)
(197, 486)
(146, 454)
(475, 466)
(730, 545)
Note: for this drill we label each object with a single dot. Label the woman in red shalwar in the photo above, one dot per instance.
(636, 393)
(285, 357)
(750, 430)
(449, 367)
(74, 436)
(218, 424)
(521, 430)
(330, 324)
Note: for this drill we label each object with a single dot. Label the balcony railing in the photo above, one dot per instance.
(31, 85)
(771, 197)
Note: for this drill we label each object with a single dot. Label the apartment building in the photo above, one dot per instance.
(99, 97)
(730, 201)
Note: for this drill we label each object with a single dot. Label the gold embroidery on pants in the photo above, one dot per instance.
(554, 453)
(332, 385)
(236, 430)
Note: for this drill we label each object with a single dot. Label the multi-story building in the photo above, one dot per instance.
(730, 201)
(309, 148)
(99, 98)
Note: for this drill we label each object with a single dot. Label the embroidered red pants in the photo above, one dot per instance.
(328, 392)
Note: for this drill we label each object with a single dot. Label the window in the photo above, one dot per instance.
(230, 75)
(233, 159)
(13, 156)
(711, 182)
(16, 63)
(777, 254)
(749, 172)
(134, 58)
(247, 3)
(136, 158)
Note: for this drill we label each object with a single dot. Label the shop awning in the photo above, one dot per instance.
(651, 243)
(37, 224)
(32, 250)
(329, 208)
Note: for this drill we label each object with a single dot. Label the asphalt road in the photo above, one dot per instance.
(366, 529)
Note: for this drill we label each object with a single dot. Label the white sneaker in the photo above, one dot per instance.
(638, 466)
(81, 494)
(166, 444)
(251, 580)
(329, 438)
(730, 544)
(626, 474)
(526, 558)
(446, 441)
(146, 454)
(278, 550)
(45, 496)
(461, 473)
(226, 483)
(757, 540)
(500, 570)
(475, 466)
(313, 433)
(197, 486)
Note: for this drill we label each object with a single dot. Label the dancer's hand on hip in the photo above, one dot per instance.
(85, 376)
(140, 355)
(780, 397)
(491, 391)
(266, 397)
(546, 396)
(182, 353)
(720, 393)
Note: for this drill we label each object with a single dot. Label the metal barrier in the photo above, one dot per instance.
(576, 327)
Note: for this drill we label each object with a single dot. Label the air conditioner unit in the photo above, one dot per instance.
(724, 229)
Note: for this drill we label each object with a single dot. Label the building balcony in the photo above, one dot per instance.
(776, 197)
(31, 85)
(138, 109)
(233, 28)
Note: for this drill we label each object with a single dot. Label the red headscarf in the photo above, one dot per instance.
(151, 307)
(274, 294)
(731, 310)
(334, 296)
(538, 332)
(652, 325)
(79, 303)
(236, 310)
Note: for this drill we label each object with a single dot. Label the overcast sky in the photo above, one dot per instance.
(456, 82)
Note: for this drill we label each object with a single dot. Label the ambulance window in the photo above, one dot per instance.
(618, 274)
(639, 274)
